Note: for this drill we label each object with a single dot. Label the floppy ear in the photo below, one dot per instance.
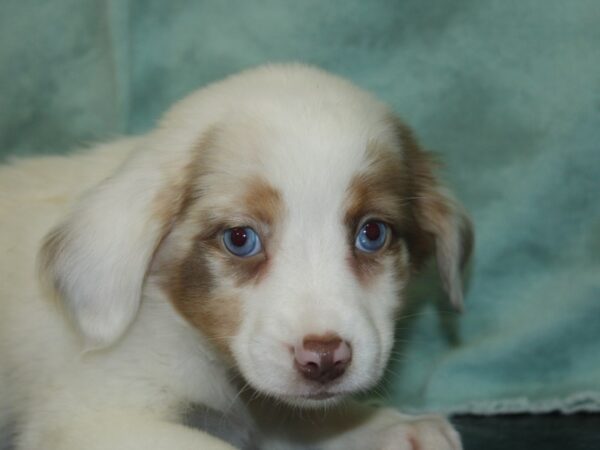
(98, 257)
(441, 224)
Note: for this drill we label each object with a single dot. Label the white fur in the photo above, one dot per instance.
(114, 365)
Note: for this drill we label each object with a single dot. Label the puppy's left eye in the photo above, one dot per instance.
(372, 236)
(242, 241)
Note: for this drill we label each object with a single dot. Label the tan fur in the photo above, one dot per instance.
(428, 210)
(191, 280)
(439, 223)
(378, 193)
(263, 201)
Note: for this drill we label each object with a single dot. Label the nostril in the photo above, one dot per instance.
(342, 354)
(310, 370)
(306, 356)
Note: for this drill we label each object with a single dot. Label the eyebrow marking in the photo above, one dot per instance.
(378, 190)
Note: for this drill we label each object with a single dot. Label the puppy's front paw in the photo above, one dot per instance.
(421, 433)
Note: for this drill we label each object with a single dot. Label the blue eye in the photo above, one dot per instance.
(371, 237)
(242, 241)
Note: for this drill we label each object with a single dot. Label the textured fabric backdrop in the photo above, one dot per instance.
(507, 91)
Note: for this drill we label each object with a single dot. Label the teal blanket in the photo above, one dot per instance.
(507, 91)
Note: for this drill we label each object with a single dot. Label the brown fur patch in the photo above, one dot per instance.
(192, 287)
(421, 182)
(399, 187)
(262, 201)
(263, 204)
(189, 281)
(198, 283)
(378, 193)
(434, 213)
(439, 223)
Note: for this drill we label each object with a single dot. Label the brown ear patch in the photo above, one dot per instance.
(420, 185)
(434, 209)
(440, 223)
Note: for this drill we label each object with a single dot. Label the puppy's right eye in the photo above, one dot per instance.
(242, 241)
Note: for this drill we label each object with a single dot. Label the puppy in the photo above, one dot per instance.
(248, 255)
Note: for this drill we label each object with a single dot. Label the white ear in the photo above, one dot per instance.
(98, 257)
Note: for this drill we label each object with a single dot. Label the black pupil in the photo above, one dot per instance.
(372, 231)
(239, 236)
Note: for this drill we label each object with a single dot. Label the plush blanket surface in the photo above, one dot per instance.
(507, 92)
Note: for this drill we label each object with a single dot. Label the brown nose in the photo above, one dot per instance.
(322, 358)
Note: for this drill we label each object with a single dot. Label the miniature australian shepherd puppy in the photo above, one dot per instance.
(248, 255)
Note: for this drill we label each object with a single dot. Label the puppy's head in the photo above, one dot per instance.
(281, 212)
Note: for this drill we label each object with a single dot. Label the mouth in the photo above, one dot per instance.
(320, 396)
(314, 399)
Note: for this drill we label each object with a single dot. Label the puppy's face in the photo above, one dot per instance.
(281, 212)
(291, 252)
